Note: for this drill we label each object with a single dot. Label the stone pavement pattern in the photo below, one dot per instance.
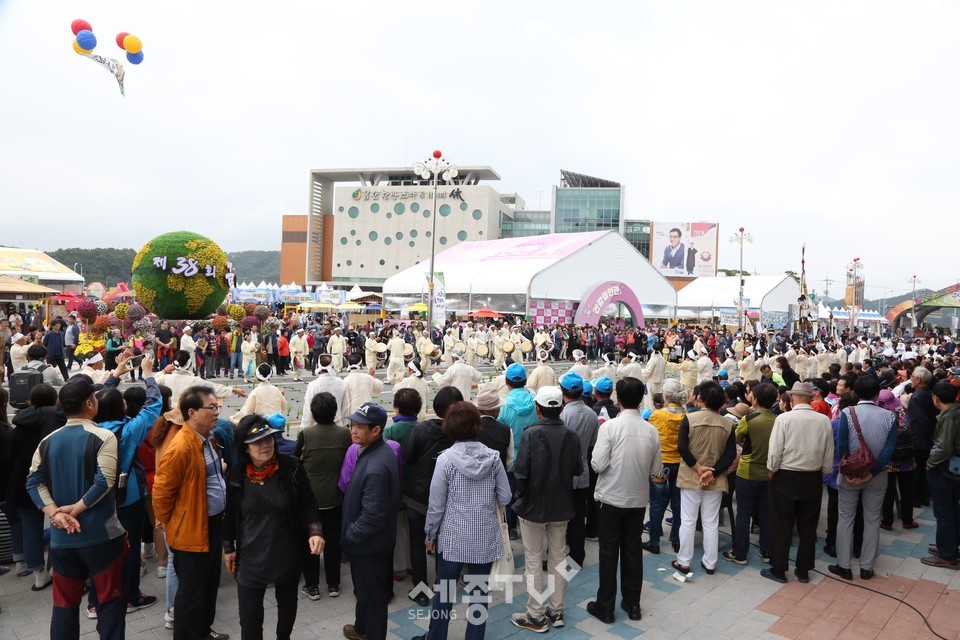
(734, 603)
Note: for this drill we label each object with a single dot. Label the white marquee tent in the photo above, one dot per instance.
(513, 275)
(770, 296)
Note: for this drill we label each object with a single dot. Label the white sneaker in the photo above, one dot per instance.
(162, 571)
(168, 619)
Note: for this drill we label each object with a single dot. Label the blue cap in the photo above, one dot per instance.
(369, 413)
(722, 373)
(587, 388)
(516, 373)
(572, 382)
(603, 385)
(277, 420)
(646, 414)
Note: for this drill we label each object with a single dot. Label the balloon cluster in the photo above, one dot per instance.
(85, 42)
(132, 45)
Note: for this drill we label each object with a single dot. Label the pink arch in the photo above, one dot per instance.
(591, 307)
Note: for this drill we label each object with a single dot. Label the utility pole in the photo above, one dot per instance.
(826, 288)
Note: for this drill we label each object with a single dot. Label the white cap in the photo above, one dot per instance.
(188, 328)
(549, 397)
(17, 337)
(95, 358)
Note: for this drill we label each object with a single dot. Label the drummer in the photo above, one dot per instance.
(543, 374)
(471, 353)
(580, 366)
(370, 350)
(517, 338)
(425, 348)
(395, 364)
(459, 375)
(496, 338)
(541, 341)
(448, 341)
(414, 380)
(608, 369)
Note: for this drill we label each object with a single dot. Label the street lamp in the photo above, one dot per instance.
(431, 168)
(75, 264)
(915, 280)
(739, 237)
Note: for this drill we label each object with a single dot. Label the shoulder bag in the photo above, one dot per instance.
(860, 462)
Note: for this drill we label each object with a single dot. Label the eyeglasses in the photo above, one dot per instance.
(214, 408)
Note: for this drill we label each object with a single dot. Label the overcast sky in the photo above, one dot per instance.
(830, 123)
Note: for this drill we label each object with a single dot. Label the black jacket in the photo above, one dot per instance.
(425, 444)
(496, 435)
(303, 514)
(32, 425)
(547, 463)
(370, 504)
(613, 410)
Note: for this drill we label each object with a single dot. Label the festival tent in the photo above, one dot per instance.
(840, 314)
(293, 294)
(773, 297)
(562, 277)
(38, 267)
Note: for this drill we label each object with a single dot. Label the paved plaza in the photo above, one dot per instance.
(734, 603)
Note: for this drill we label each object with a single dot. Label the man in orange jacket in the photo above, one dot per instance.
(189, 497)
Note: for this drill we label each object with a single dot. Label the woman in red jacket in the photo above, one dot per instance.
(283, 351)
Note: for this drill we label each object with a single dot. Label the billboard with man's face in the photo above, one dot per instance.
(684, 249)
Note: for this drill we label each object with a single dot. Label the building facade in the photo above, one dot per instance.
(366, 225)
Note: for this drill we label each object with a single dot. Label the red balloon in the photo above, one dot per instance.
(437, 154)
(79, 25)
(120, 37)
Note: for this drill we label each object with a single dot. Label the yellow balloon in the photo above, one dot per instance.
(132, 44)
(81, 50)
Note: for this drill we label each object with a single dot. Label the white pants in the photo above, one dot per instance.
(707, 505)
(394, 370)
(337, 362)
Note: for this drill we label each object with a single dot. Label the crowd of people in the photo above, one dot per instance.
(641, 422)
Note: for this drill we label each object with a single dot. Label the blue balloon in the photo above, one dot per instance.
(135, 58)
(86, 39)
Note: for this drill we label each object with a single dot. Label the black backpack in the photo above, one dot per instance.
(21, 382)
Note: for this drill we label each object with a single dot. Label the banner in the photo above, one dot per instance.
(684, 249)
(439, 299)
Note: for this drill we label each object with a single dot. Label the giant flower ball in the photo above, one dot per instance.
(181, 275)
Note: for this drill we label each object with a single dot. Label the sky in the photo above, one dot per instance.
(827, 123)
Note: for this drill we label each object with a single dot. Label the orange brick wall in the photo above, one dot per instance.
(293, 249)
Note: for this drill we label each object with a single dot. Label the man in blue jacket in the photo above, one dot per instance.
(370, 522)
(132, 491)
(518, 412)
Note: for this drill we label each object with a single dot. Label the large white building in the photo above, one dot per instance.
(366, 225)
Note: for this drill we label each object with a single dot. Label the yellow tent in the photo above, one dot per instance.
(419, 308)
(350, 306)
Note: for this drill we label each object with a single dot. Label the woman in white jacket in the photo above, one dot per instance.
(249, 349)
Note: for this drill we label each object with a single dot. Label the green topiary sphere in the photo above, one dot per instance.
(190, 294)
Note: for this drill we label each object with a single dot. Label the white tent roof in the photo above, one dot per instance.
(356, 292)
(559, 266)
(770, 293)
